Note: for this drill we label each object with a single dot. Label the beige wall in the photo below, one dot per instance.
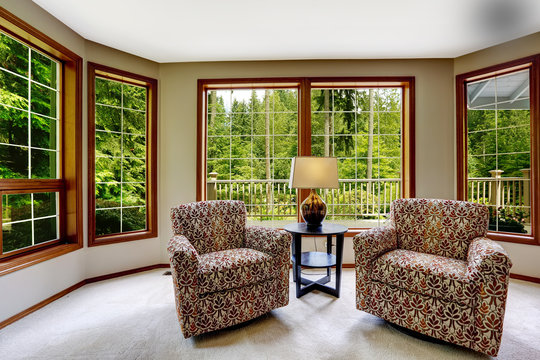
(526, 258)
(178, 87)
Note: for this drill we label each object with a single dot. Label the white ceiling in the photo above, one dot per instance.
(218, 30)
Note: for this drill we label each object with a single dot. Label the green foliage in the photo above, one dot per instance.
(510, 138)
(120, 157)
(504, 219)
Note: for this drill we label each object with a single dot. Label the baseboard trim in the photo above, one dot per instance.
(525, 278)
(64, 292)
(126, 272)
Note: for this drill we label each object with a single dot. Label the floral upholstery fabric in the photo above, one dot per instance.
(427, 274)
(439, 227)
(229, 269)
(211, 225)
(217, 289)
(404, 276)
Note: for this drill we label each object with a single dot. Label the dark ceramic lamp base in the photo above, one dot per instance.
(313, 210)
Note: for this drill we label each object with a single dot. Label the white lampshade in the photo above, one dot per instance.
(310, 172)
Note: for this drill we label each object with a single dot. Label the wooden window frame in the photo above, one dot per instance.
(151, 154)
(69, 185)
(533, 64)
(304, 86)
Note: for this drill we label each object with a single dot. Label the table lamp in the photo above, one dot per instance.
(310, 172)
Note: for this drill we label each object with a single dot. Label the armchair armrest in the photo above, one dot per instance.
(487, 258)
(273, 242)
(370, 244)
(184, 266)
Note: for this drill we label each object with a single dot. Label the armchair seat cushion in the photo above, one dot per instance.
(427, 274)
(234, 268)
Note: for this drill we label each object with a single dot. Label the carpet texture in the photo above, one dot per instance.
(134, 317)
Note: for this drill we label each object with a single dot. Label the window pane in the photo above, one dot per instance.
(498, 149)
(13, 126)
(252, 138)
(362, 128)
(45, 230)
(107, 169)
(45, 204)
(108, 92)
(133, 194)
(44, 70)
(15, 90)
(16, 236)
(107, 221)
(43, 100)
(120, 157)
(134, 97)
(134, 219)
(16, 207)
(108, 118)
(108, 195)
(134, 146)
(20, 227)
(13, 162)
(44, 132)
(134, 122)
(108, 144)
(44, 164)
(13, 55)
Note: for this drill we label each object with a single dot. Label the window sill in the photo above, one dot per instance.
(513, 238)
(119, 238)
(20, 262)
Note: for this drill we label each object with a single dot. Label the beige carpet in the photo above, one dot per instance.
(133, 317)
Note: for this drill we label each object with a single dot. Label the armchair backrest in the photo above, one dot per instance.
(211, 225)
(439, 227)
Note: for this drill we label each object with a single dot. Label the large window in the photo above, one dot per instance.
(249, 132)
(497, 110)
(39, 146)
(122, 160)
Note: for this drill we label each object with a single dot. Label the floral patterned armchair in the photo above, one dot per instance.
(225, 273)
(432, 270)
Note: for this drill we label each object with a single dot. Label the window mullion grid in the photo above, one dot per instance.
(30, 141)
(273, 161)
(355, 151)
(496, 151)
(121, 154)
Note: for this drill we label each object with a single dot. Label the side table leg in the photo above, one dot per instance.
(294, 259)
(339, 260)
(328, 251)
(298, 262)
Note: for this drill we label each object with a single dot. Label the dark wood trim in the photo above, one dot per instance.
(201, 140)
(70, 146)
(533, 64)
(151, 153)
(525, 278)
(126, 272)
(78, 285)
